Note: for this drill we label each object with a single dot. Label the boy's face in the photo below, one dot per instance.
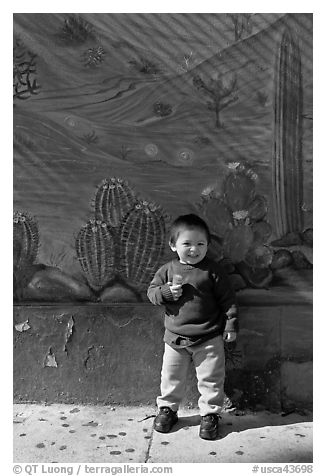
(191, 245)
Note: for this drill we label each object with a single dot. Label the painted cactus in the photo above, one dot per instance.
(239, 190)
(113, 200)
(262, 231)
(26, 240)
(260, 256)
(257, 209)
(237, 242)
(287, 154)
(95, 249)
(237, 218)
(216, 213)
(142, 243)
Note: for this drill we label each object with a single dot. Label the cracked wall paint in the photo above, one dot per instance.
(68, 333)
(59, 317)
(93, 356)
(22, 326)
(127, 368)
(50, 360)
(88, 355)
(120, 324)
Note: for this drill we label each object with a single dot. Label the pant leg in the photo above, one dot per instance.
(209, 362)
(173, 377)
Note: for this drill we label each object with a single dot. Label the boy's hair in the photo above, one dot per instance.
(186, 222)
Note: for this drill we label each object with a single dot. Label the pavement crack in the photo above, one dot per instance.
(150, 442)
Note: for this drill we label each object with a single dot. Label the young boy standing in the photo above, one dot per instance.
(200, 314)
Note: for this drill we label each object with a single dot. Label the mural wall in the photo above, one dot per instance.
(124, 121)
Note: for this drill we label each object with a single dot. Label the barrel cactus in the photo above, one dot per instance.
(26, 240)
(95, 247)
(113, 200)
(121, 248)
(142, 246)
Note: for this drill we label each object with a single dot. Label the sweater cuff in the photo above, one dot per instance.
(166, 293)
(232, 325)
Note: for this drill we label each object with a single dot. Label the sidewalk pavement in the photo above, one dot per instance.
(60, 433)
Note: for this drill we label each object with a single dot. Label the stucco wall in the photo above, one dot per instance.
(111, 354)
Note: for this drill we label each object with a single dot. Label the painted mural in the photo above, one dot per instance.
(124, 121)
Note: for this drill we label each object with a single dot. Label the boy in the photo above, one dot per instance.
(200, 313)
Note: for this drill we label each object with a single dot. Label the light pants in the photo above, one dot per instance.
(209, 362)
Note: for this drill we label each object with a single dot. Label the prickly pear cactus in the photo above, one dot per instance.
(257, 278)
(113, 199)
(95, 247)
(142, 243)
(281, 259)
(262, 232)
(237, 242)
(239, 190)
(26, 240)
(257, 209)
(237, 219)
(217, 214)
(260, 256)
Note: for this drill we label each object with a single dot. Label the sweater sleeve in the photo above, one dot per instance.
(227, 300)
(159, 291)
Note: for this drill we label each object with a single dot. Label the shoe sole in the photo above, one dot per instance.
(164, 429)
(208, 435)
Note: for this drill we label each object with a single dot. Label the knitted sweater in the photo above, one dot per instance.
(206, 308)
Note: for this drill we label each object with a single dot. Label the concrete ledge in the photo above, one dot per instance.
(112, 354)
(89, 354)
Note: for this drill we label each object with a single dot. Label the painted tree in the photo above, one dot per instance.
(242, 24)
(287, 168)
(220, 92)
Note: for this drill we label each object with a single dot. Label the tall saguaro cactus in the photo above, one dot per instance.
(142, 243)
(287, 153)
(96, 254)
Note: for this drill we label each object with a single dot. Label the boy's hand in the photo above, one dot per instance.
(229, 336)
(176, 290)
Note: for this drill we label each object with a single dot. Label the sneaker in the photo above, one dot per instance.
(209, 427)
(165, 420)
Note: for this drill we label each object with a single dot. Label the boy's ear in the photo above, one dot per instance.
(173, 248)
